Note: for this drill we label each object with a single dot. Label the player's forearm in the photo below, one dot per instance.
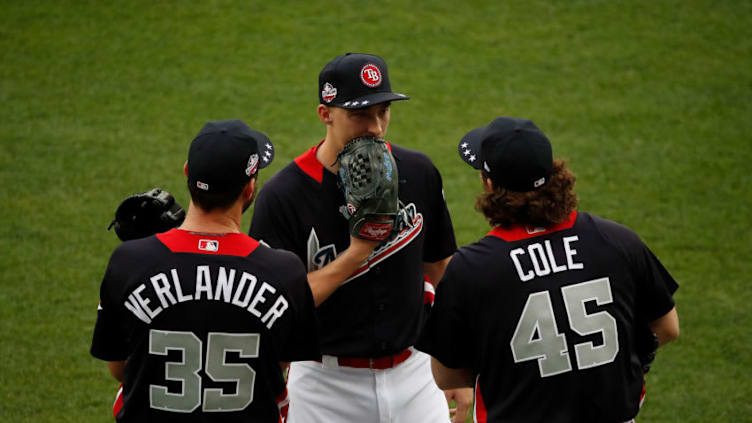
(117, 369)
(447, 378)
(326, 280)
(666, 328)
(435, 270)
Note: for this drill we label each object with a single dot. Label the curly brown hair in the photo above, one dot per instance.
(546, 206)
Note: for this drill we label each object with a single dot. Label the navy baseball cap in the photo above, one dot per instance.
(226, 154)
(514, 152)
(356, 80)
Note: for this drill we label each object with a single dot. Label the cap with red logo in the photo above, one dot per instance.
(356, 80)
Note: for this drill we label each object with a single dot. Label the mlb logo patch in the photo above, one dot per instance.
(539, 182)
(328, 93)
(534, 229)
(202, 186)
(252, 166)
(211, 245)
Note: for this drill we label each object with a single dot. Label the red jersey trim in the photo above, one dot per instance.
(118, 404)
(232, 244)
(518, 233)
(308, 163)
(283, 404)
(390, 250)
(481, 414)
(429, 291)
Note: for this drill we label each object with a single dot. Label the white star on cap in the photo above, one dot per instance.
(472, 158)
(364, 102)
(466, 152)
(346, 104)
(268, 146)
(355, 103)
(266, 159)
(464, 145)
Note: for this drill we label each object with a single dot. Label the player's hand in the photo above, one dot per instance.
(362, 248)
(463, 400)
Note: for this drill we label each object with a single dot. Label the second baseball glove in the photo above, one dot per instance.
(368, 177)
(147, 213)
(647, 347)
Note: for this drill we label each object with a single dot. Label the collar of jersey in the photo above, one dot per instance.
(308, 163)
(518, 233)
(228, 244)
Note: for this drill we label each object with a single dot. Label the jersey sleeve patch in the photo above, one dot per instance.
(180, 241)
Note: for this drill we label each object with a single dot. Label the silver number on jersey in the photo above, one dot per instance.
(186, 371)
(575, 297)
(217, 368)
(537, 337)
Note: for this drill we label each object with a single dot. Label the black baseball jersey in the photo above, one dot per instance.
(547, 320)
(379, 310)
(203, 321)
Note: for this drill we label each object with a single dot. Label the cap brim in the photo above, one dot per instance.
(469, 147)
(265, 148)
(370, 100)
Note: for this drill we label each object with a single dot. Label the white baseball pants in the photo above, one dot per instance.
(328, 393)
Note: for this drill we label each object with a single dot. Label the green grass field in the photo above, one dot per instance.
(649, 100)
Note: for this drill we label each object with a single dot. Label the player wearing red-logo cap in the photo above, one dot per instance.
(370, 295)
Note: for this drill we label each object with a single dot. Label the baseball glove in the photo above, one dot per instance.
(368, 177)
(647, 347)
(146, 213)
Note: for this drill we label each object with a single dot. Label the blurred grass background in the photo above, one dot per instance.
(649, 101)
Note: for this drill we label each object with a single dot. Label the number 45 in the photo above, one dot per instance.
(537, 337)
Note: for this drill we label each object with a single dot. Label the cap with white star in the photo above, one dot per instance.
(514, 153)
(225, 154)
(356, 80)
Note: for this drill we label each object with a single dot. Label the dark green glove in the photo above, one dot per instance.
(368, 177)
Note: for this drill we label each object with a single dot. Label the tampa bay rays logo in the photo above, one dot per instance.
(409, 226)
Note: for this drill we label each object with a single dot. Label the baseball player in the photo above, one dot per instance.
(369, 293)
(197, 321)
(555, 309)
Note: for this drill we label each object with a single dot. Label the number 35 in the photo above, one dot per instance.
(217, 368)
(549, 347)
